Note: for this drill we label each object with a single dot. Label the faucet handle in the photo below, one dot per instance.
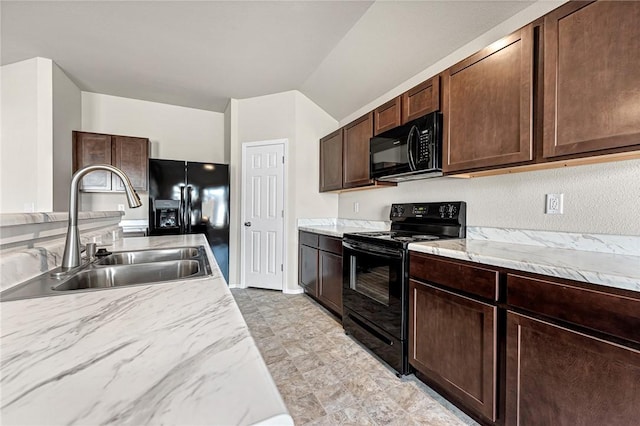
(90, 250)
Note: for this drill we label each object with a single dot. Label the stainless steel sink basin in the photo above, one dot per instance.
(147, 256)
(117, 276)
(120, 269)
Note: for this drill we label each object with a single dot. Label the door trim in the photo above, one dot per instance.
(243, 178)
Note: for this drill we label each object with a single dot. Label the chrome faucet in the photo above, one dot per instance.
(71, 257)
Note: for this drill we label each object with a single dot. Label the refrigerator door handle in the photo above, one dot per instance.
(181, 214)
(188, 221)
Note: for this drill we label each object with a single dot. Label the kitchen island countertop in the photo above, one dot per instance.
(172, 353)
(607, 269)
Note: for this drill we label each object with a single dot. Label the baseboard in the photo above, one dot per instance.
(235, 286)
(293, 291)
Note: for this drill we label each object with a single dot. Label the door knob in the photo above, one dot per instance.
(247, 224)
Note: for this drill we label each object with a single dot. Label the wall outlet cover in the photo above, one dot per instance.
(554, 204)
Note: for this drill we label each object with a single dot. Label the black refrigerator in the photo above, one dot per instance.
(187, 197)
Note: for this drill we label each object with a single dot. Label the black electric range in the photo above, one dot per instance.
(376, 275)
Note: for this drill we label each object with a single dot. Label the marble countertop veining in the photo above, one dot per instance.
(172, 353)
(607, 269)
(334, 227)
(333, 230)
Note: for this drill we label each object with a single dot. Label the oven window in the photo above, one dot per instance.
(372, 277)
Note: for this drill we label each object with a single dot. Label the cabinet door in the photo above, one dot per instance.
(89, 149)
(308, 269)
(331, 162)
(421, 100)
(356, 152)
(452, 341)
(591, 78)
(387, 116)
(330, 280)
(556, 376)
(131, 155)
(487, 106)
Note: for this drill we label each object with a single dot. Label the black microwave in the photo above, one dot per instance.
(410, 151)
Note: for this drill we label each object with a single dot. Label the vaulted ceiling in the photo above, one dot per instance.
(341, 54)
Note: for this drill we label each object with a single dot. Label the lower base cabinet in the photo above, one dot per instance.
(452, 342)
(556, 376)
(330, 280)
(320, 269)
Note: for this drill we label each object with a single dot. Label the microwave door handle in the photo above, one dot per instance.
(410, 148)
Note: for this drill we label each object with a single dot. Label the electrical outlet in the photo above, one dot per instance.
(356, 207)
(554, 204)
(121, 207)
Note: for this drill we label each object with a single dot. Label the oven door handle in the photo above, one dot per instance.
(371, 250)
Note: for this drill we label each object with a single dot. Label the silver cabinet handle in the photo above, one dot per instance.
(247, 224)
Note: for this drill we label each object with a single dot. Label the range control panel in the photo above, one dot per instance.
(443, 210)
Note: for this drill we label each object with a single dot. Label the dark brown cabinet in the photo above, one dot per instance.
(487, 106)
(591, 78)
(453, 338)
(563, 377)
(130, 154)
(355, 158)
(320, 269)
(331, 162)
(421, 99)
(308, 269)
(573, 354)
(515, 348)
(387, 116)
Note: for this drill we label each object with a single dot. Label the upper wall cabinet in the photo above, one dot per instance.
(591, 77)
(355, 156)
(387, 116)
(331, 162)
(130, 154)
(421, 100)
(487, 106)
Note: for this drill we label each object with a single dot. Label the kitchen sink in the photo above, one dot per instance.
(147, 256)
(119, 269)
(118, 276)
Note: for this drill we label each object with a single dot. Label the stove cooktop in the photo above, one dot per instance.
(403, 237)
(416, 222)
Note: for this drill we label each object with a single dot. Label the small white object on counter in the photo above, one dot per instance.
(172, 353)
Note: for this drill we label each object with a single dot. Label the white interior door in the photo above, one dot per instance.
(263, 215)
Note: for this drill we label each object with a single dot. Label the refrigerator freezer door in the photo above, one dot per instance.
(166, 178)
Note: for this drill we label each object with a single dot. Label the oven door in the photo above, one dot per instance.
(374, 285)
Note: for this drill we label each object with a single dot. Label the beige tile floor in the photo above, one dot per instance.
(327, 378)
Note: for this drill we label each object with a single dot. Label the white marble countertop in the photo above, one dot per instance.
(333, 230)
(338, 227)
(172, 353)
(607, 269)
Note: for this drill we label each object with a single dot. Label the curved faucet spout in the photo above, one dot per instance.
(71, 257)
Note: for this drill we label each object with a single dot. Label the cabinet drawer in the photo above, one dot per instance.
(598, 310)
(308, 239)
(475, 280)
(333, 245)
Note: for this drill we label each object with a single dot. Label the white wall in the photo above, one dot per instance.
(67, 111)
(602, 198)
(26, 151)
(291, 116)
(176, 133)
